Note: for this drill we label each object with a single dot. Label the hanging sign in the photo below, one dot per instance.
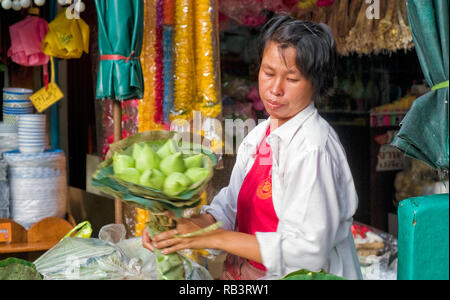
(389, 158)
(47, 96)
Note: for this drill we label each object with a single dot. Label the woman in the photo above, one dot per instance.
(291, 197)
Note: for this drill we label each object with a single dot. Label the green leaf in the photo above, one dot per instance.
(18, 269)
(308, 275)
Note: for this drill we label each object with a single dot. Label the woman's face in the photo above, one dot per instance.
(283, 89)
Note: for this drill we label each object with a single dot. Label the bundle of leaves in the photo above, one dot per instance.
(157, 171)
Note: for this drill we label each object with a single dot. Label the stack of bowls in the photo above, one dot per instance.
(16, 101)
(32, 133)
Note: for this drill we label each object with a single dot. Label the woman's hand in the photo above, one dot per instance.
(184, 226)
(168, 243)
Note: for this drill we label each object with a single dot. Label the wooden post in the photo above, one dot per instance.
(117, 117)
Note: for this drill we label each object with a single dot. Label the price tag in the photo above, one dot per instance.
(5, 233)
(44, 98)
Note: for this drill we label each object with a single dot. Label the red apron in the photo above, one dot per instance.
(255, 210)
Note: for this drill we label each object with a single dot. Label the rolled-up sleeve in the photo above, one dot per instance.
(310, 219)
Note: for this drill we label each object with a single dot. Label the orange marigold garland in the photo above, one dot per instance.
(184, 89)
(207, 96)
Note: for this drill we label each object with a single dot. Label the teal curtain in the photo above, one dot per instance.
(424, 131)
(120, 34)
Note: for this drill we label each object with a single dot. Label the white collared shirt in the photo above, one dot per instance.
(313, 195)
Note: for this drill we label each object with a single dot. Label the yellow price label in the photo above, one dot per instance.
(44, 98)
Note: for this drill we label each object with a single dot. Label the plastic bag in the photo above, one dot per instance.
(66, 38)
(97, 259)
(26, 38)
(377, 252)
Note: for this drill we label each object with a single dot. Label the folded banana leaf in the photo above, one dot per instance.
(169, 267)
(109, 186)
(18, 269)
(308, 275)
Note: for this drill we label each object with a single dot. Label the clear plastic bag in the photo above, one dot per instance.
(377, 252)
(4, 190)
(97, 259)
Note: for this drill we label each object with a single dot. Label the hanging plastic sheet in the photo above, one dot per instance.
(424, 131)
(120, 33)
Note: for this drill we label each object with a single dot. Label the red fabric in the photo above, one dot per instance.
(255, 210)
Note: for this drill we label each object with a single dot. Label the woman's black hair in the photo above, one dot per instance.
(315, 48)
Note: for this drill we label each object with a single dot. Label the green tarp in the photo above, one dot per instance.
(424, 131)
(120, 34)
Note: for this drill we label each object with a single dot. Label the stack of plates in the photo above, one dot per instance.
(8, 137)
(32, 133)
(16, 101)
(37, 186)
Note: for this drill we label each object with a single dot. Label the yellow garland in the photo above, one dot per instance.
(146, 108)
(184, 88)
(206, 73)
(306, 4)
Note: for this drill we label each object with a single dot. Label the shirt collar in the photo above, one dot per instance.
(287, 131)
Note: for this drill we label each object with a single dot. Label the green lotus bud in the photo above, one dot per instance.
(167, 149)
(173, 163)
(130, 175)
(153, 178)
(197, 174)
(195, 161)
(176, 183)
(122, 162)
(145, 157)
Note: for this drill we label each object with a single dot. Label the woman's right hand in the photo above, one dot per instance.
(184, 226)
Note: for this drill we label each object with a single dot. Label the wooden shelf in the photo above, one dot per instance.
(42, 236)
(26, 247)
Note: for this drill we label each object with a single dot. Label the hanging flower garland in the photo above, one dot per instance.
(159, 76)
(206, 72)
(169, 9)
(184, 90)
(147, 106)
(168, 71)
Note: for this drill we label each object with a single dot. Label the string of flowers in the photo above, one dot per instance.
(184, 90)
(159, 55)
(147, 104)
(169, 9)
(168, 71)
(206, 73)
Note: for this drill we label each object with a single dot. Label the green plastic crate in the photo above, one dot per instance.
(423, 238)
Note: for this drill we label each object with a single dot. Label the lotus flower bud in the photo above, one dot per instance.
(173, 163)
(130, 175)
(122, 162)
(145, 157)
(167, 149)
(197, 174)
(153, 179)
(176, 183)
(195, 161)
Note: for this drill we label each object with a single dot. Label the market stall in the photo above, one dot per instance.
(148, 87)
